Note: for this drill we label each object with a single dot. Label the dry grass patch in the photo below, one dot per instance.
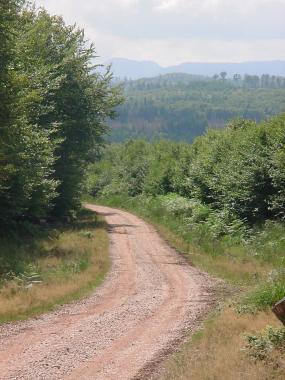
(65, 265)
(237, 270)
(240, 272)
(217, 351)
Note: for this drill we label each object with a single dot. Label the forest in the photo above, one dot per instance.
(182, 106)
(53, 109)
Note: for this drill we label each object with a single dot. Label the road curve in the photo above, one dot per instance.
(150, 298)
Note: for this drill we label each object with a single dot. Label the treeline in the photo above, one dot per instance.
(237, 173)
(53, 108)
(253, 81)
(248, 81)
(181, 107)
(265, 81)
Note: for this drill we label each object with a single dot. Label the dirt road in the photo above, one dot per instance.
(150, 298)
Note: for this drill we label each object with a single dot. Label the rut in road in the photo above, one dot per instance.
(150, 298)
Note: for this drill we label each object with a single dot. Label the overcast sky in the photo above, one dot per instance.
(175, 31)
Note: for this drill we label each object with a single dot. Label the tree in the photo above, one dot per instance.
(57, 105)
(27, 150)
(237, 78)
(79, 99)
(223, 75)
(8, 18)
(265, 80)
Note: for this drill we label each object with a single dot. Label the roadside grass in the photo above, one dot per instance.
(242, 265)
(218, 351)
(253, 271)
(54, 266)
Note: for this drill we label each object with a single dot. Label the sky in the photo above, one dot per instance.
(173, 31)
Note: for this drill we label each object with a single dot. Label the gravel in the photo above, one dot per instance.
(148, 302)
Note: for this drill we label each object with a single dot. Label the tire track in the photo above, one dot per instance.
(149, 300)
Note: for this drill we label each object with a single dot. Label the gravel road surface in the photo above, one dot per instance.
(148, 302)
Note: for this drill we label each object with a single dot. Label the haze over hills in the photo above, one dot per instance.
(132, 69)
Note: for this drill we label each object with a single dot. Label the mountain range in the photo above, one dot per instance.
(132, 69)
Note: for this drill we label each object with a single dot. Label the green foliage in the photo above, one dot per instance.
(21, 252)
(268, 243)
(29, 188)
(8, 19)
(137, 167)
(223, 196)
(267, 294)
(233, 169)
(54, 106)
(227, 250)
(181, 107)
(260, 346)
(238, 172)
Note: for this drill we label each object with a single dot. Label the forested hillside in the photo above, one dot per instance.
(182, 106)
(53, 111)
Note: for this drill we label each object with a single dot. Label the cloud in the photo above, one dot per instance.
(172, 51)
(167, 5)
(204, 28)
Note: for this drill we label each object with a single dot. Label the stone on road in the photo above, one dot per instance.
(147, 303)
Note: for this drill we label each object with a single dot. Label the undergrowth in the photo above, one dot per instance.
(262, 345)
(51, 266)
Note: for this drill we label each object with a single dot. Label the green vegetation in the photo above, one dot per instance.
(54, 265)
(220, 201)
(182, 106)
(241, 256)
(223, 196)
(260, 345)
(234, 175)
(54, 104)
(231, 346)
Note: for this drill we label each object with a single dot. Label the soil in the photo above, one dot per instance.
(149, 301)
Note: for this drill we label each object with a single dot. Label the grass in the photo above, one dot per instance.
(238, 264)
(53, 267)
(252, 269)
(218, 351)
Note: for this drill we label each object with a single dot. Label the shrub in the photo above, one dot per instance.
(260, 346)
(267, 294)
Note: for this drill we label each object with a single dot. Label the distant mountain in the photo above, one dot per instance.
(252, 68)
(127, 68)
(131, 69)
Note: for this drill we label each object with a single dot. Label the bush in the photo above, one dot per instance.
(179, 206)
(260, 346)
(235, 174)
(268, 293)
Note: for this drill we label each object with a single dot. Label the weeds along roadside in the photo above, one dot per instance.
(55, 265)
(236, 339)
